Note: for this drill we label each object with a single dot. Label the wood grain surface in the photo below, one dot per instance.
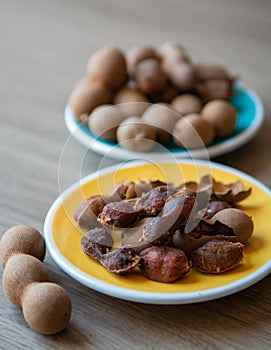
(44, 47)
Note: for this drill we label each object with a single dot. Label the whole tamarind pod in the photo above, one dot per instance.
(21, 239)
(20, 271)
(46, 307)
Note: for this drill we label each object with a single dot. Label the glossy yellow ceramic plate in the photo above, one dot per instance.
(63, 237)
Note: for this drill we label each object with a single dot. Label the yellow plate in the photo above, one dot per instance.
(63, 236)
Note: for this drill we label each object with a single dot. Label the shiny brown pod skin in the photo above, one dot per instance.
(217, 256)
(163, 264)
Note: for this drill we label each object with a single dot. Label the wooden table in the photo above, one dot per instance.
(44, 47)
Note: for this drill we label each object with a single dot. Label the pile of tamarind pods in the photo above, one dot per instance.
(46, 306)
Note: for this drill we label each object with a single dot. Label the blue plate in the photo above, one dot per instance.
(250, 118)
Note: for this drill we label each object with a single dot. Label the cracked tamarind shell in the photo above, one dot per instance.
(188, 243)
(241, 223)
(236, 220)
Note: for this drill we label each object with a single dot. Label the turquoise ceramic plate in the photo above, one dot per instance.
(250, 118)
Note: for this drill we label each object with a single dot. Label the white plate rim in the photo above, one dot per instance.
(141, 296)
(214, 150)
